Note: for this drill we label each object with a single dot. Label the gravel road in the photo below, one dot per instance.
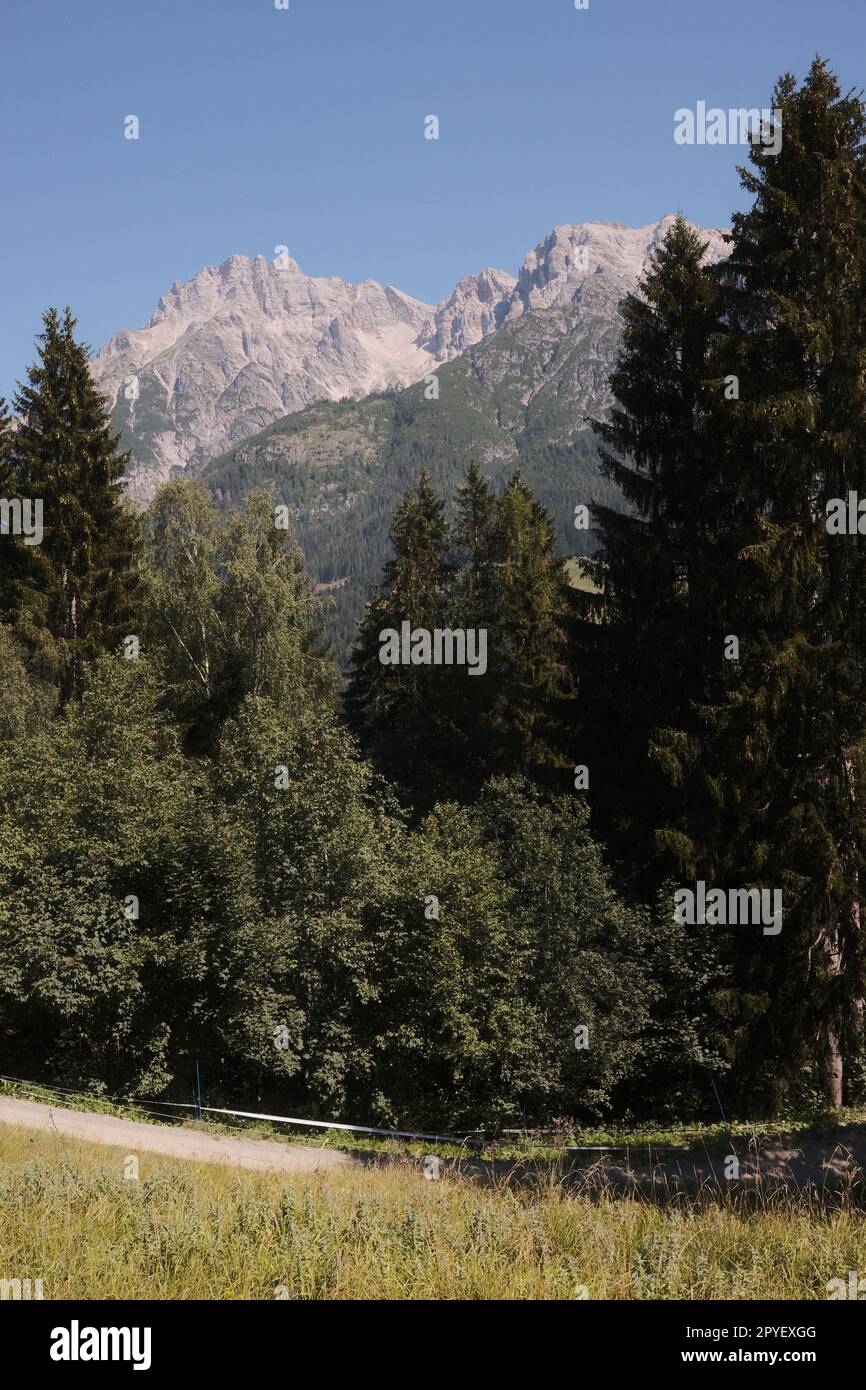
(132, 1135)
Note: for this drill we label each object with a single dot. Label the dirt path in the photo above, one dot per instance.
(132, 1135)
(828, 1163)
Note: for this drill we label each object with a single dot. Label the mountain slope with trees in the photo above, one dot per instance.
(518, 399)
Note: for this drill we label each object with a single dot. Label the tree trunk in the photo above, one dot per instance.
(832, 1066)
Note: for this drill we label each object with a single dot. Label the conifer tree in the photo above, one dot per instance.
(773, 786)
(77, 594)
(9, 549)
(15, 559)
(650, 633)
(435, 731)
(529, 637)
(470, 715)
(5, 443)
(478, 542)
(397, 709)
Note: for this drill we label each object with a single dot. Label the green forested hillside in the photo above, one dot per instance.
(519, 400)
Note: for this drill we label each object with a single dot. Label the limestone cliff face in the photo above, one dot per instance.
(246, 343)
(249, 341)
(573, 258)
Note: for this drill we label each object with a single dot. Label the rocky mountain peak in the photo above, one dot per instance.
(248, 341)
(475, 307)
(555, 273)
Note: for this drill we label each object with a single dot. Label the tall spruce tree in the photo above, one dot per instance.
(397, 709)
(15, 561)
(773, 786)
(78, 592)
(651, 634)
(533, 679)
(5, 442)
(470, 715)
(477, 536)
(25, 701)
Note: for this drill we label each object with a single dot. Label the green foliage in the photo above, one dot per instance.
(231, 613)
(26, 703)
(86, 808)
(749, 770)
(75, 594)
(528, 633)
(397, 710)
(196, 866)
(439, 732)
(312, 854)
(657, 612)
(280, 937)
(199, 861)
(782, 755)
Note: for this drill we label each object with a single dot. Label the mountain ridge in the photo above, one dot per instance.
(518, 398)
(250, 341)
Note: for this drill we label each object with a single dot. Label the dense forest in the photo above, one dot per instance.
(434, 896)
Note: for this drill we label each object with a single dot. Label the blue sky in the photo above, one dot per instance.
(305, 128)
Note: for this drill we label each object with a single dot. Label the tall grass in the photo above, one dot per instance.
(183, 1231)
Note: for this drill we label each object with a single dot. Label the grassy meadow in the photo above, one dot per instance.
(182, 1230)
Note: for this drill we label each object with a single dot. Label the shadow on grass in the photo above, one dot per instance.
(809, 1175)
